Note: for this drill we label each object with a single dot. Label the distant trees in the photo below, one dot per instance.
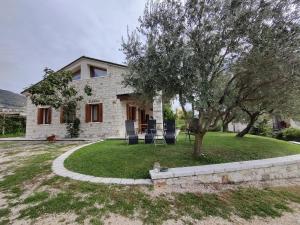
(217, 55)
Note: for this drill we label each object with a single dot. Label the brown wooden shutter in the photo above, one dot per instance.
(134, 113)
(87, 113)
(127, 111)
(49, 115)
(100, 112)
(62, 119)
(39, 116)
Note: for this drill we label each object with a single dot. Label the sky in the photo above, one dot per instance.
(52, 33)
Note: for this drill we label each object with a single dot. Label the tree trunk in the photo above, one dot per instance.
(182, 103)
(253, 118)
(198, 144)
(225, 127)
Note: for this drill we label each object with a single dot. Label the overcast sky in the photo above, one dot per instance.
(51, 33)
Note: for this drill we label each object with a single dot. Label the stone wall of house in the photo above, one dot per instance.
(104, 90)
(225, 173)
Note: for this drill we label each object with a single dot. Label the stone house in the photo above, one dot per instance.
(102, 114)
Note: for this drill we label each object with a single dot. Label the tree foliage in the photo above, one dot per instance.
(55, 90)
(213, 54)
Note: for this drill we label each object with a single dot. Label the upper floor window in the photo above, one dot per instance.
(98, 72)
(76, 75)
(44, 116)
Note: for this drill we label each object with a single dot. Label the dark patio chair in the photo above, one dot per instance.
(170, 131)
(192, 128)
(131, 135)
(150, 132)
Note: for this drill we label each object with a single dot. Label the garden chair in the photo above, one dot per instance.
(150, 132)
(170, 131)
(131, 135)
(193, 126)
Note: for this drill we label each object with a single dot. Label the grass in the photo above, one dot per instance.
(129, 202)
(95, 202)
(117, 159)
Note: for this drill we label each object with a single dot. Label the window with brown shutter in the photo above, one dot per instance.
(44, 115)
(49, 116)
(39, 116)
(87, 113)
(101, 112)
(94, 112)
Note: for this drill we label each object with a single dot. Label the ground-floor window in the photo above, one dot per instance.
(94, 113)
(44, 115)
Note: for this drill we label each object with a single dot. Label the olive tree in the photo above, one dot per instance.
(190, 49)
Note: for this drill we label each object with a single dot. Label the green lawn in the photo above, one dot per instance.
(32, 194)
(113, 158)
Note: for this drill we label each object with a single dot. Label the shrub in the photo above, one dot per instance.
(291, 134)
(168, 113)
(73, 128)
(261, 128)
(13, 125)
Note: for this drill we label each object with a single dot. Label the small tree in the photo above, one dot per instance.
(55, 91)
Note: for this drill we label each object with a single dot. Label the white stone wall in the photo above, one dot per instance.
(236, 127)
(104, 89)
(255, 170)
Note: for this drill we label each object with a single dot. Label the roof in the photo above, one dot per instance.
(93, 59)
(85, 57)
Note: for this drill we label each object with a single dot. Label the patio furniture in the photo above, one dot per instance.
(170, 131)
(131, 135)
(193, 126)
(150, 132)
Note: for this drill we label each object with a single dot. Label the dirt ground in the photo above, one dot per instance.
(13, 155)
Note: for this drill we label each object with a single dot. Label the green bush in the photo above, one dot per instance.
(262, 128)
(291, 134)
(13, 125)
(168, 112)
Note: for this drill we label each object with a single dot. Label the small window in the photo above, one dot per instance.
(77, 75)
(44, 116)
(93, 113)
(98, 72)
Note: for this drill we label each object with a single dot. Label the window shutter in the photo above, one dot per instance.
(134, 113)
(127, 111)
(100, 112)
(62, 119)
(49, 115)
(39, 116)
(87, 113)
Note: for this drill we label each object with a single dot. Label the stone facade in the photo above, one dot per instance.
(104, 90)
(227, 173)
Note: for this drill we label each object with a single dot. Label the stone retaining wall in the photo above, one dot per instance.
(225, 173)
